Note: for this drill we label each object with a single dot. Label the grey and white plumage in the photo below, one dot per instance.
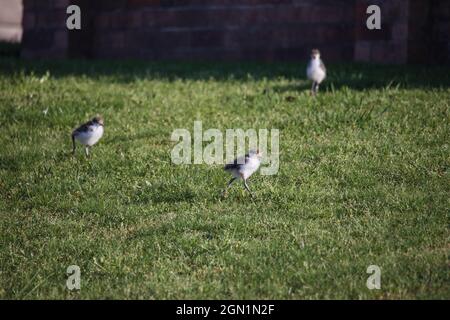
(316, 71)
(243, 168)
(88, 133)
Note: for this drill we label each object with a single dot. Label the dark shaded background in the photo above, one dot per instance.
(413, 31)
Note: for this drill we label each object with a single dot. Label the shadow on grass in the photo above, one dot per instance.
(132, 137)
(164, 193)
(355, 76)
(362, 77)
(10, 163)
(9, 49)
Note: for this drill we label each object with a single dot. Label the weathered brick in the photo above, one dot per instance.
(142, 3)
(207, 38)
(55, 18)
(400, 31)
(61, 39)
(28, 20)
(227, 29)
(362, 51)
(34, 40)
(61, 4)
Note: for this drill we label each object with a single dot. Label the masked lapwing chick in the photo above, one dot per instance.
(316, 71)
(243, 168)
(88, 133)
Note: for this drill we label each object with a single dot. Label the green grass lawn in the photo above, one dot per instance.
(363, 180)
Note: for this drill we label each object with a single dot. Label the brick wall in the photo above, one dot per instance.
(439, 31)
(414, 31)
(44, 29)
(388, 44)
(224, 30)
(265, 30)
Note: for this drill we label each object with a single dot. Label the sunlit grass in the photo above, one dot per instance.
(363, 181)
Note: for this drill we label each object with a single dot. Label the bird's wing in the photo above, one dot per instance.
(322, 66)
(237, 163)
(84, 128)
(231, 166)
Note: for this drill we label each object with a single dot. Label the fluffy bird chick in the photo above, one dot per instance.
(316, 71)
(243, 168)
(88, 134)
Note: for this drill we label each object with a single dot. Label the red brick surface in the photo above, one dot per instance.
(237, 30)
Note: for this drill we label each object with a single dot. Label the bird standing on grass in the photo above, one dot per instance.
(88, 134)
(243, 168)
(316, 71)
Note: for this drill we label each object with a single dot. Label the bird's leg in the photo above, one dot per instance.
(73, 143)
(87, 151)
(248, 189)
(228, 185)
(313, 88)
